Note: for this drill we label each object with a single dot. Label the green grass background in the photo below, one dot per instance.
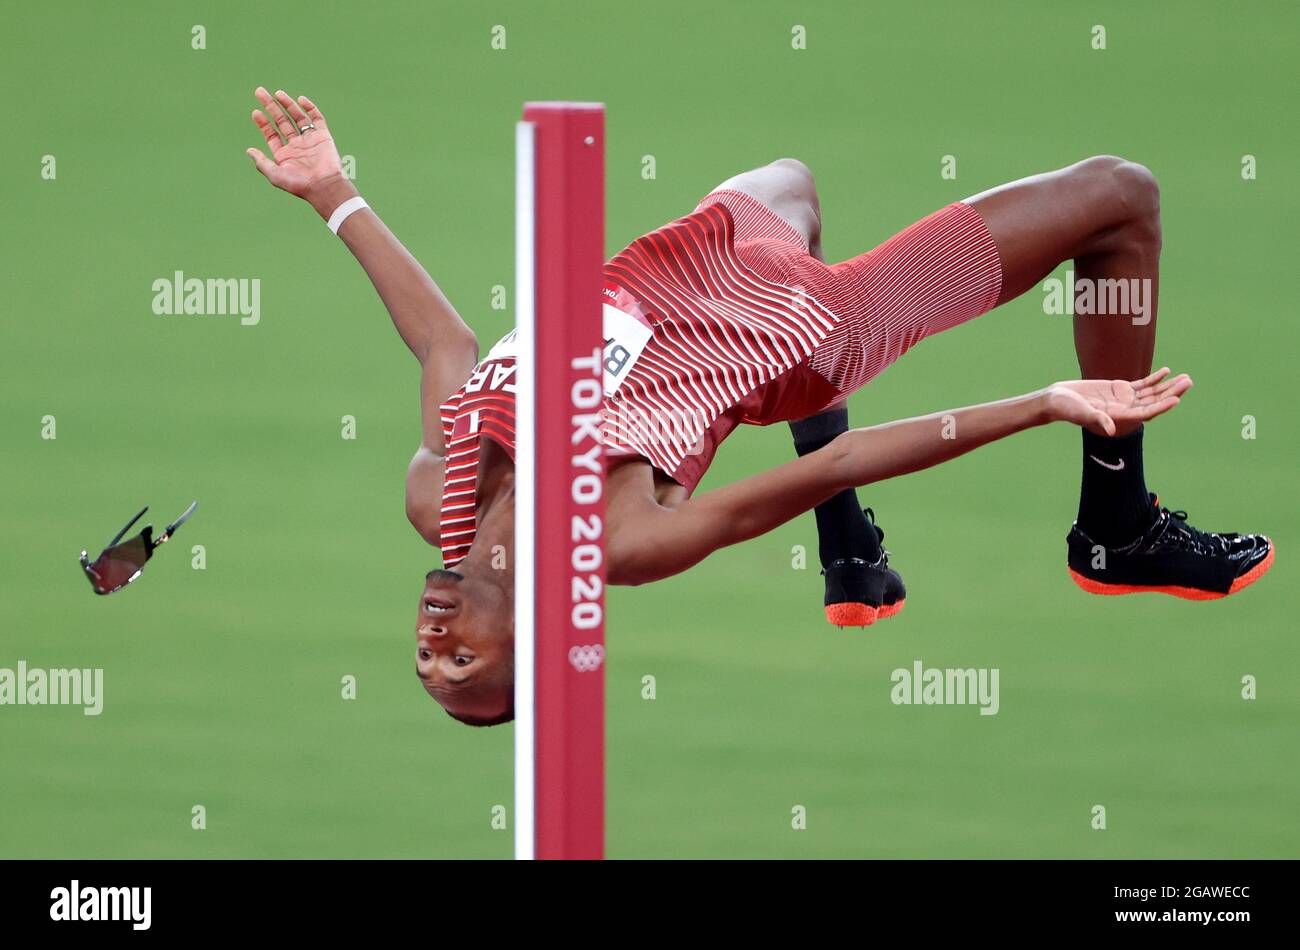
(223, 685)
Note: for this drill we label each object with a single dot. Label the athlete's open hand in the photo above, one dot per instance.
(1100, 404)
(303, 155)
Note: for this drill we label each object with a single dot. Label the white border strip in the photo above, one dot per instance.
(525, 495)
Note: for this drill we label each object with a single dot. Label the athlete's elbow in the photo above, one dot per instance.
(624, 576)
(636, 561)
(625, 571)
(456, 346)
(621, 562)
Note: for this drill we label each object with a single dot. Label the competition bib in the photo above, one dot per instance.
(626, 333)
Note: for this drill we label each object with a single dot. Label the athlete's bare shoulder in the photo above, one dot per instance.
(424, 478)
(439, 381)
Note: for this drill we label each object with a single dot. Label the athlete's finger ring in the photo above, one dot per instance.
(306, 128)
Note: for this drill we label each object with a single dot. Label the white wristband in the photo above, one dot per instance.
(344, 211)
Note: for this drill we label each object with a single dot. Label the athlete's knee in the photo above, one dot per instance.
(800, 188)
(1130, 190)
(796, 166)
(797, 178)
(1133, 187)
(1138, 191)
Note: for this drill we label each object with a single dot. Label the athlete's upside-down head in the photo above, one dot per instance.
(465, 642)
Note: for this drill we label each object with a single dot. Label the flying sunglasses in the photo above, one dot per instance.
(121, 563)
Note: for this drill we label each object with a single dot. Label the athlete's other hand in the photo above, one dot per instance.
(304, 161)
(1101, 405)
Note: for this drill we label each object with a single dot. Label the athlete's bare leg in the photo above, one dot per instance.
(1104, 214)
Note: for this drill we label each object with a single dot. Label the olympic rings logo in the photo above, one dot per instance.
(586, 658)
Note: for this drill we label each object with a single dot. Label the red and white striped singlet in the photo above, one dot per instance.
(483, 407)
(721, 318)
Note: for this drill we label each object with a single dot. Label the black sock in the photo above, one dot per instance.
(1114, 506)
(842, 529)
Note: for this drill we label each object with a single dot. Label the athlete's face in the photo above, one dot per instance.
(465, 644)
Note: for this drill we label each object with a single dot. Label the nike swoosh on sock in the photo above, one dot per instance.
(1113, 468)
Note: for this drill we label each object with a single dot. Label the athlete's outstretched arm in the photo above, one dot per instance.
(305, 162)
(663, 542)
